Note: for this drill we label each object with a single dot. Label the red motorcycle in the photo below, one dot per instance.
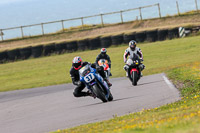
(105, 65)
(133, 70)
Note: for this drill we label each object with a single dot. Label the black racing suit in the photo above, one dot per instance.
(76, 79)
(103, 56)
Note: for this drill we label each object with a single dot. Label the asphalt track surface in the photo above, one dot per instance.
(46, 109)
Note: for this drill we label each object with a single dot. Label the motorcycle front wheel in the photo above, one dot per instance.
(134, 78)
(99, 92)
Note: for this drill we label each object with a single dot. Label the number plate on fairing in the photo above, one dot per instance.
(89, 78)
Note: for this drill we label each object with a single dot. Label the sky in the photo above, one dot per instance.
(24, 12)
(15, 13)
(3, 2)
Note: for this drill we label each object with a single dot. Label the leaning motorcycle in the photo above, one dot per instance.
(105, 65)
(133, 71)
(95, 83)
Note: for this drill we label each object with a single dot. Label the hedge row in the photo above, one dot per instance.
(89, 43)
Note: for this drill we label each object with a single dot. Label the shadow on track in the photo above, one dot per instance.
(115, 100)
(150, 82)
(120, 99)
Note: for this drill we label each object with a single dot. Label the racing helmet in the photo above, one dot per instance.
(132, 44)
(103, 51)
(77, 63)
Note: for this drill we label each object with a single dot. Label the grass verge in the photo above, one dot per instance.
(182, 116)
(52, 70)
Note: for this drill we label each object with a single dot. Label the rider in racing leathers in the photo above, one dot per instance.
(131, 50)
(77, 63)
(103, 55)
(127, 68)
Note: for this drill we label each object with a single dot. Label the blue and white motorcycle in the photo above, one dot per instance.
(95, 83)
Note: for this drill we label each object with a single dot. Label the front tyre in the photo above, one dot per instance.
(99, 93)
(134, 78)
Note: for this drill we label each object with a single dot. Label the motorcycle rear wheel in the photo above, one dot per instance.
(110, 98)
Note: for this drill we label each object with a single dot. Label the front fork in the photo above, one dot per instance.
(101, 80)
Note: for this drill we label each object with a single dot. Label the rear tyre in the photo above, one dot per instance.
(110, 98)
(134, 78)
(99, 92)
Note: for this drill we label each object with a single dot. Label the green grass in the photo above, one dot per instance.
(179, 117)
(52, 70)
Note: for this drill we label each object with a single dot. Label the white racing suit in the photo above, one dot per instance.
(129, 53)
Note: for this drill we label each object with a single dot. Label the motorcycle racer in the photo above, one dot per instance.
(77, 64)
(130, 51)
(135, 58)
(105, 56)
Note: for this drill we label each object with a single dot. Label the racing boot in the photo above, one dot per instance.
(126, 69)
(110, 74)
(89, 93)
(141, 75)
(108, 82)
(126, 74)
(141, 67)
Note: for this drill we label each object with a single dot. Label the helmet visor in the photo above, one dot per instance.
(132, 47)
(77, 65)
(103, 53)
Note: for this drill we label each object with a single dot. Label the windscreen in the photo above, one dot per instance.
(84, 70)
